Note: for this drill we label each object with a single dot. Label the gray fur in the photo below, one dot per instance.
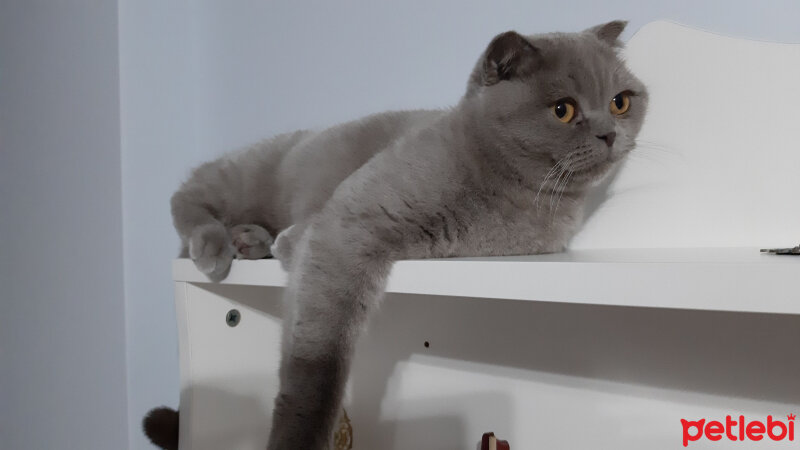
(498, 174)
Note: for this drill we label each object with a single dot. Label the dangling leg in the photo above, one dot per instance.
(332, 289)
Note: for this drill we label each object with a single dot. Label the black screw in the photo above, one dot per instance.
(233, 317)
(427, 344)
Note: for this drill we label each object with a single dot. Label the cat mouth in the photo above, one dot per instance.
(594, 171)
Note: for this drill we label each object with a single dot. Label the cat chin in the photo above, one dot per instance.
(592, 176)
(590, 173)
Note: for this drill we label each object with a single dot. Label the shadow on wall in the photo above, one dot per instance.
(701, 351)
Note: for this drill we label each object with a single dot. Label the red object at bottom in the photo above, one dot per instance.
(490, 442)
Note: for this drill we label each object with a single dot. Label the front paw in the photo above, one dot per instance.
(251, 241)
(283, 248)
(211, 250)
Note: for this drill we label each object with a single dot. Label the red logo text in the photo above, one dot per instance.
(738, 430)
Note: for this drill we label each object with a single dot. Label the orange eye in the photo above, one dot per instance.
(620, 103)
(564, 110)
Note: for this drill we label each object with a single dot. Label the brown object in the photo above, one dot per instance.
(343, 437)
(490, 442)
(162, 426)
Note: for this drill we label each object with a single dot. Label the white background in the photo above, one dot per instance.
(105, 106)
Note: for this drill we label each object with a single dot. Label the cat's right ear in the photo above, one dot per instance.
(508, 56)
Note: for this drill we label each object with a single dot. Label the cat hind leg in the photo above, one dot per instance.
(212, 251)
(251, 241)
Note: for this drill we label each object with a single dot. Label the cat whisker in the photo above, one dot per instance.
(661, 151)
(660, 155)
(563, 189)
(555, 188)
(640, 143)
(547, 178)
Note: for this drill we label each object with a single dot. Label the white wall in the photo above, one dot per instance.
(62, 335)
(159, 141)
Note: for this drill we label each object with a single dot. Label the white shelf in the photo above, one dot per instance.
(717, 279)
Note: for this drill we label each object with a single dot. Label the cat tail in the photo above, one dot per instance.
(161, 426)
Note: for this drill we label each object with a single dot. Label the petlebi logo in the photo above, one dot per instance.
(738, 429)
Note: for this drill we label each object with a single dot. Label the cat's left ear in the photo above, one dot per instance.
(508, 56)
(609, 32)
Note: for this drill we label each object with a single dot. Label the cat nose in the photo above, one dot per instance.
(608, 137)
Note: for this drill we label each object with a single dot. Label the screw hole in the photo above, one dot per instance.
(233, 317)
(427, 344)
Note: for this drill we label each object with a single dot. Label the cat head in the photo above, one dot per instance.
(560, 101)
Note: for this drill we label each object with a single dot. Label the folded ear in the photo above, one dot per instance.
(609, 32)
(508, 56)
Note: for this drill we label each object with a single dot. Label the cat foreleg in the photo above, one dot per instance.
(285, 243)
(332, 288)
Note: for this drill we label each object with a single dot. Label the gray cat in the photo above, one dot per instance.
(504, 172)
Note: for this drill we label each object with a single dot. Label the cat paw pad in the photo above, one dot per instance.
(251, 241)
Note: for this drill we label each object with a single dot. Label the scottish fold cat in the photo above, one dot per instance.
(504, 172)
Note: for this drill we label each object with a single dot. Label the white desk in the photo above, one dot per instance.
(619, 343)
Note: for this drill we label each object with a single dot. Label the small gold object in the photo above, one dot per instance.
(343, 437)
